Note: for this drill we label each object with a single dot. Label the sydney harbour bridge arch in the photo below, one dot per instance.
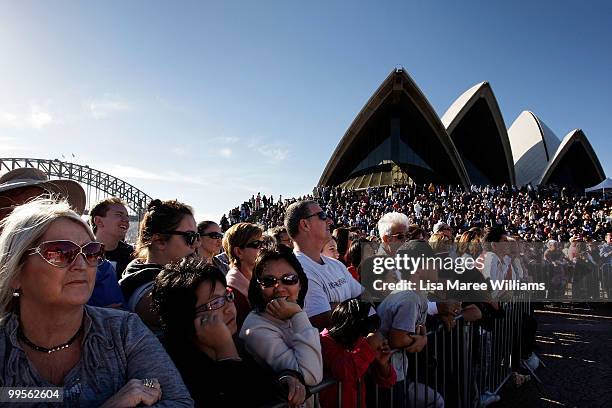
(97, 184)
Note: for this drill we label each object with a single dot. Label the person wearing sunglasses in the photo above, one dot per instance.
(393, 232)
(167, 233)
(242, 243)
(211, 244)
(50, 337)
(198, 314)
(22, 185)
(277, 332)
(329, 281)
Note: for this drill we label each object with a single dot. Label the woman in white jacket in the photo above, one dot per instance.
(277, 332)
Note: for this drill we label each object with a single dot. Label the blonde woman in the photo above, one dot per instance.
(49, 337)
(242, 243)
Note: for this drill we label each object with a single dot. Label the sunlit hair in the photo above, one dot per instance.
(22, 230)
(237, 236)
(469, 242)
(439, 242)
(414, 232)
(161, 217)
(387, 221)
(437, 237)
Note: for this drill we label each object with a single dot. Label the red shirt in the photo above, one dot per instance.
(349, 367)
(354, 272)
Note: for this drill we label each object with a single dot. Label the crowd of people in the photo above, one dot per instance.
(262, 306)
(532, 213)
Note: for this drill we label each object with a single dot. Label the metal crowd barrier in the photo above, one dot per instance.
(605, 277)
(462, 367)
(577, 283)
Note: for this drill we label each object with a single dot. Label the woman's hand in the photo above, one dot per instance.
(282, 308)
(375, 340)
(135, 392)
(296, 392)
(448, 320)
(471, 313)
(213, 334)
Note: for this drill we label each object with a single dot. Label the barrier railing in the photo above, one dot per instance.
(465, 367)
(585, 282)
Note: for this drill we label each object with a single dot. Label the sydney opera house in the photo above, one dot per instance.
(397, 138)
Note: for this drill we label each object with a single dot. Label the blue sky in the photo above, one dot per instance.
(211, 102)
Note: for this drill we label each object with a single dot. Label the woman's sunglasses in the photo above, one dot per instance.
(289, 279)
(217, 303)
(62, 253)
(257, 244)
(190, 237)
(213, 235)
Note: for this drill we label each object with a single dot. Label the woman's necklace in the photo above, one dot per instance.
(65, 345)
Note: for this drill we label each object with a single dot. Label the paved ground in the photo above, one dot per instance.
(576, 346)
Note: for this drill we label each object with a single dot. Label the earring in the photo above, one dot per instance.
(16, 293)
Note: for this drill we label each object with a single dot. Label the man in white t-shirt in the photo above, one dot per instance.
(329, 282)
(495, 245)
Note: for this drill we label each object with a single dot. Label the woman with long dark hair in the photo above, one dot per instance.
(343, 241)
(198, 317)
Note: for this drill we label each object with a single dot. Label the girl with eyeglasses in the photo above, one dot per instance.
(167, 233)
(49, 337)
(242, 243)
(277, 332)
(198, 316)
